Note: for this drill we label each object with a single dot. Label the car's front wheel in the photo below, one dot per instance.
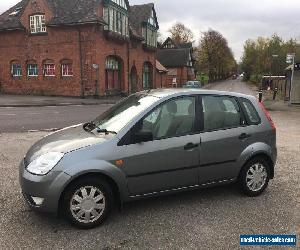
(88, 202)
(254, 177)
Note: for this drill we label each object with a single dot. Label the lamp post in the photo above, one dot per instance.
(96, 67)
(291, 59)
(275, 88)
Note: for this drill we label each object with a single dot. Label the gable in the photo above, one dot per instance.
(169, 44)
(35, 7)
(140, 15)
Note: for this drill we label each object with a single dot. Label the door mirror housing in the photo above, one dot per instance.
(143, 136)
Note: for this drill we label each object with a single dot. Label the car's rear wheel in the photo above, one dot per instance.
(254, 177)
(87, 202)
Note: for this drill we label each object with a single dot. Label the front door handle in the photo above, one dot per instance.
(190, 146)
(244, 136)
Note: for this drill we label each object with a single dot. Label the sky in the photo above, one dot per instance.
(237, 20)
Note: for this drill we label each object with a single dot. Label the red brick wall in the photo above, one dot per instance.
(181, 76)
(63, 43)
(138, 56)
(161, 80)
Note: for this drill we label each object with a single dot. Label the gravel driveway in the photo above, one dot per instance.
(206, 219)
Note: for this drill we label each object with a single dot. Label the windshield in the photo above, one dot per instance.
(118, 116)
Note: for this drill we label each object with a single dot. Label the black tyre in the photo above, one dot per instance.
(88, 202)
(254, 177)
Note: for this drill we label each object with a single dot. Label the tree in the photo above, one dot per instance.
(266, 56)
(214, 57)
(181, 34)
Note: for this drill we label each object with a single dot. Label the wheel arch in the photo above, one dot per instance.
(264, 156)
(95, 174)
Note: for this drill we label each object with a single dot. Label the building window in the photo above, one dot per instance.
(149, 31)
(66, 68)
(49, 69)
(37, 24)
(120, 3)
(113, 73)
(112, 63)
(147, 75)
(32, 69)
(16, 69)
(169, 45)
(116, 16)
(151, 20)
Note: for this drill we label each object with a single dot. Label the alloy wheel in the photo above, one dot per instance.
(256, 177)
(87, 204)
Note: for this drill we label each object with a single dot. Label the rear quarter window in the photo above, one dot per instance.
(250, 112)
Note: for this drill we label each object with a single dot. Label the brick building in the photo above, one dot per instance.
(77, 48)
(178, 59)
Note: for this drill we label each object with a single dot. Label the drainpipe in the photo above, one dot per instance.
(81, 63)
(128, 70)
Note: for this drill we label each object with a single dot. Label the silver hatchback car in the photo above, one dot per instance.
(151, 143)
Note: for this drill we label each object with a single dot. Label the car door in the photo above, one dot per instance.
(171, 159)
(222, 140)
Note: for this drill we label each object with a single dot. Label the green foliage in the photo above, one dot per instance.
(202, 77)
(255, 78)
(214, 57)
(266, 56)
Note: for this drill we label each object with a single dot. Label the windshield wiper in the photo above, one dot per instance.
(106, 131)
(89, 126)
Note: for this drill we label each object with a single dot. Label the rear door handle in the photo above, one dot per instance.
(190, 146)
(244, 136)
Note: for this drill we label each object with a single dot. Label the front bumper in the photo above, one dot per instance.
(48, 187)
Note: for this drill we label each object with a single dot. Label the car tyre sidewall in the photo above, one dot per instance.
(242, 177)
(90, 181)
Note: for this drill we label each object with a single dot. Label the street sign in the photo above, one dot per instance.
(290, 58)
(95, 66)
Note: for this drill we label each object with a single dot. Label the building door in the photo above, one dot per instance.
(133, 80)
(113, 67)
(147, 75)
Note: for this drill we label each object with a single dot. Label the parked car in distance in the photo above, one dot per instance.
(151, 143)
(192, 84)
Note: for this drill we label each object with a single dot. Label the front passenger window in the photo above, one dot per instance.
(173, 118)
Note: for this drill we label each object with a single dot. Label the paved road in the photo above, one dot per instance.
(234, 86)
(38, 118)
(206, 219)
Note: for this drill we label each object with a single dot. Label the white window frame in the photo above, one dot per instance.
(37, 24)
(121, 3)
(117, 20)
(19, 72)
(150, 36)
(29, 67)
(45, 69)
(68, 74)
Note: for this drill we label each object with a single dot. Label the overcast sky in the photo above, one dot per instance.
(237, 20)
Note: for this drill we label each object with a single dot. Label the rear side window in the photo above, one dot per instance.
(251, 113)
(221, 112)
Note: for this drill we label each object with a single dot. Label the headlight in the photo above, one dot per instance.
(45, 163)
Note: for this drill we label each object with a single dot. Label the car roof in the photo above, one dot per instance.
(162, 93)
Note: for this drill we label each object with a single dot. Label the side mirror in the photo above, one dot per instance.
(143, 136)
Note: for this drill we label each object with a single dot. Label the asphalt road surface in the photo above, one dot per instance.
(40, 118)
(23, 119)
(234, 86)
(206, 219)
